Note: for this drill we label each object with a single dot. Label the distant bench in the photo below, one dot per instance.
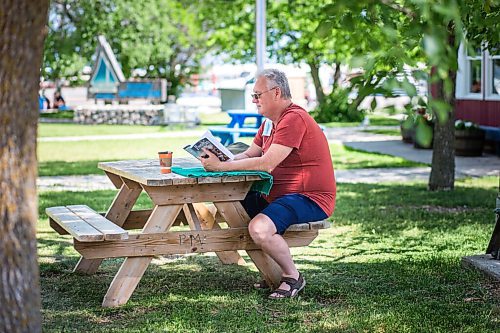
(229, 135)
(492, 136)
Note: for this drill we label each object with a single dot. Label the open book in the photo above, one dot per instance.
(210, 142)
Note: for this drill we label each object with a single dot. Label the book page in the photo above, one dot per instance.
(211, 143)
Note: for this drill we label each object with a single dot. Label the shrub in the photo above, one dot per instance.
(337, 108)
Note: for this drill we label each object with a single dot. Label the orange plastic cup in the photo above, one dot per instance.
(165, 161)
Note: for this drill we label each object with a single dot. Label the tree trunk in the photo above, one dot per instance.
(336, 75)
(442, 176)
(22, 34)
(320, 95)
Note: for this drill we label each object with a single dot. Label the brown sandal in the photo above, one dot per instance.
(296, 285)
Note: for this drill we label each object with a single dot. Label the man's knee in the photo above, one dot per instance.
(261, 228)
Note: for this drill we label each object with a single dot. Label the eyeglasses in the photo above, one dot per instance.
(257, 95)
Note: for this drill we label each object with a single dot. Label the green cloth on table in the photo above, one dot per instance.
(263, 186)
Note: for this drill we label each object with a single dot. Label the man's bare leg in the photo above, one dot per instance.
(263, 232)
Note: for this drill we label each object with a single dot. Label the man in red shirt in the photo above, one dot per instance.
(292, 147)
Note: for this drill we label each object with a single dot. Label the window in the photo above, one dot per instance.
(474, 75)
(493, 72)
(478, 74)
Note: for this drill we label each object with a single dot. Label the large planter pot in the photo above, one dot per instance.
(469, 142)
(407, 134)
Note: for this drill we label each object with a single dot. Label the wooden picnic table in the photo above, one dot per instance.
(172, 196)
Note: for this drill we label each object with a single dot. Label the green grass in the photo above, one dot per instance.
(394, 132)
(81, 157)
(390, 263)
(375, 120)
(382, 120)
(344, 158)
(65, 114)
(58, 130)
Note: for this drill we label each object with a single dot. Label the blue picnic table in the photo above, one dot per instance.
(238, 118)
(237, 126)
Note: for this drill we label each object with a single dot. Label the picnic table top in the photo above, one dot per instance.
(147, 172)
(244, 113)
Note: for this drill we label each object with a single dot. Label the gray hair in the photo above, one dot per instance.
(276, 78)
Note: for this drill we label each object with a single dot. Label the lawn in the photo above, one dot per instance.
(81, 157)
(390, 263)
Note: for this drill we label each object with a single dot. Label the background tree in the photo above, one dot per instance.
(435, 30)
(21, 44)
(163, 38)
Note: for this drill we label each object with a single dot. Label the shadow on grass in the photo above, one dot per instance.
(201, 295)
(391, 263)
(392, 208)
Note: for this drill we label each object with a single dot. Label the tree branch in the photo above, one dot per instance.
(399, 8)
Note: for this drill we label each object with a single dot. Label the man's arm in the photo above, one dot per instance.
(252, 151)
(267, 162)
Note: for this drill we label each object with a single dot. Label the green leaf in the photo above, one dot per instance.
(423, 134)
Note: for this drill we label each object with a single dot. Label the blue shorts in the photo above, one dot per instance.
(284, 211)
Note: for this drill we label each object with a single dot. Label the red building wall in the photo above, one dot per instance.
(479, 111)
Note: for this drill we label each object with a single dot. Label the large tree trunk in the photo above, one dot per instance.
(22, 32)
(320, 95)
(442, 176)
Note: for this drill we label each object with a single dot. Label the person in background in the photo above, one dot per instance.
(44, 102)
(293, 148)
(59, 102)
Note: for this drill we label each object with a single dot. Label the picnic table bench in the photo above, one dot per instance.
(177, 200)
(230, 135)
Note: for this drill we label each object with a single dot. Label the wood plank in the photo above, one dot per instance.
(181, 194)
(53, 224)
(110, 230)
(205, 214)
(147, 172)
(117, 213)
(317, 225)
(132, 269)
(299, 227)
(116, 180)
(138, 218)
(191, 217)
(233, 179)
(236, 217)
(182, 242)
(209, 180)
(74, 225)
(207, 222)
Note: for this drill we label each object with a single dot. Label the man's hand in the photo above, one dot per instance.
(211, 162)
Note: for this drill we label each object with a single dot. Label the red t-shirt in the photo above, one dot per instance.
(308, 170)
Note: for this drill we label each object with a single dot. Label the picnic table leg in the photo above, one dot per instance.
(117, 213)
(133, 268)
(236, 216)
(199, 211)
